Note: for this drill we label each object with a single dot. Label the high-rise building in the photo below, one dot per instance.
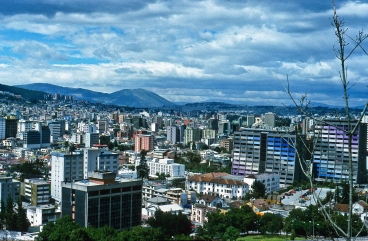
(250, 120)
(270, 119)
(173, 134)
(2, 128)
(143, 142)
(102, 200)
(76, 166)
(261, 151)
(91, 139)
(331, 152)
(191, 135)
(102, 126)
(11, 126)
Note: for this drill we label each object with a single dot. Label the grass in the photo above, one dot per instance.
(265, 238)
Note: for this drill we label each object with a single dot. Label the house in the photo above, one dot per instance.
(199, 213)
(211, 201)
(341, 208)
(258, 205)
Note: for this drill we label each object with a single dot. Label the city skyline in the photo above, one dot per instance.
(184, 51)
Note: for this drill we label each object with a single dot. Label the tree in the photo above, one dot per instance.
(258, 189)
(270, 223)
(21, 217)
(231, 233)
(171, 224)
(61, 230)
(142, 168)
(10, 215)
(346, 46)
(111, 146)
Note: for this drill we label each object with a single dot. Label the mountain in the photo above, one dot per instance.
(25, 93)
(126, 97)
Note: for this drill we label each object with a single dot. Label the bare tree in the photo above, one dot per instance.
(342, 53)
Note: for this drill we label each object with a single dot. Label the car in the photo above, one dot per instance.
(302, 201)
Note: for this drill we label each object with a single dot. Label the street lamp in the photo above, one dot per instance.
(312, 228)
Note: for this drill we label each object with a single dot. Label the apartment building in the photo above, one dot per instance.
(36, 191)
(166, 166)
(331, 153)
(259, 151)
(9, 187)
(143, 142)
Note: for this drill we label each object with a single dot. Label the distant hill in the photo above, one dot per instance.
(126, 97)
(25, 93)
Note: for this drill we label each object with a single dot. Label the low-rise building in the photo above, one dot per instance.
(166, 166)
(9, 187)
(42, 214)
(222, 184)
(270, 180)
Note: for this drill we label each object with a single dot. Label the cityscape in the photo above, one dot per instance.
(181, 120)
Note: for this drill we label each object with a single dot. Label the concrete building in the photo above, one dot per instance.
(270, 180)
(173, 134)
(166, 166)
(331, 155)
(270, 119)
(42, 214)
(192, 135)
(36, 191)
(259, 151)
(76, 166)
(102, 200)
(2, 128)
(91, 139)
(143, 142)
(9, 187)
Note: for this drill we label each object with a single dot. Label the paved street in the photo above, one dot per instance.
(295, 198)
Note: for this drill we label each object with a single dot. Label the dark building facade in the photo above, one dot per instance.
(102, 201)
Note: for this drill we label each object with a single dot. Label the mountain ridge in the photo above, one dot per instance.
(125, 97)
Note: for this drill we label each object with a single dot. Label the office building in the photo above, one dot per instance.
(331, 153)
(2, 128)
(259, 151)
(173, 134)
(91, 139)
(102, 200)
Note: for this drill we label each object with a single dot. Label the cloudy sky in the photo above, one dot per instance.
(184, 50)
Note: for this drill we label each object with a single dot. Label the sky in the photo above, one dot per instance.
(235, 51)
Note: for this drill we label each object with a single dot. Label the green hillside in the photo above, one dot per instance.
(26, 94)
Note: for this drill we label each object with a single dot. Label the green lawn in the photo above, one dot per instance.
(264, 238)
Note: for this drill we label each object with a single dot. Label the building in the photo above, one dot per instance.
(270, 180)
(331, 155)
(76, 166)
(11, 125)
(91, 139)
(2, 128)
(166, 166)
(42, 214)
(259, 151)
(36, 191)
(143, 142)
(9, 187)
(102, 200)
(65, 167)
(173, 134)
(270, 119)
(228, 144)
(192, 135)
(219, 183)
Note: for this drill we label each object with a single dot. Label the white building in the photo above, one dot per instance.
(41, 214)
(270, 180)
(87, 160)
(166, 166)
(222, 184)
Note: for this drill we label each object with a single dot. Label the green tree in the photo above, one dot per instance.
(170, 224)
(61, 230)
(231, 234)
(2, 214)
(21, 217)
(10, 215)
(111, 146)
(142, 168)
(270, 223)
(258, 189)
